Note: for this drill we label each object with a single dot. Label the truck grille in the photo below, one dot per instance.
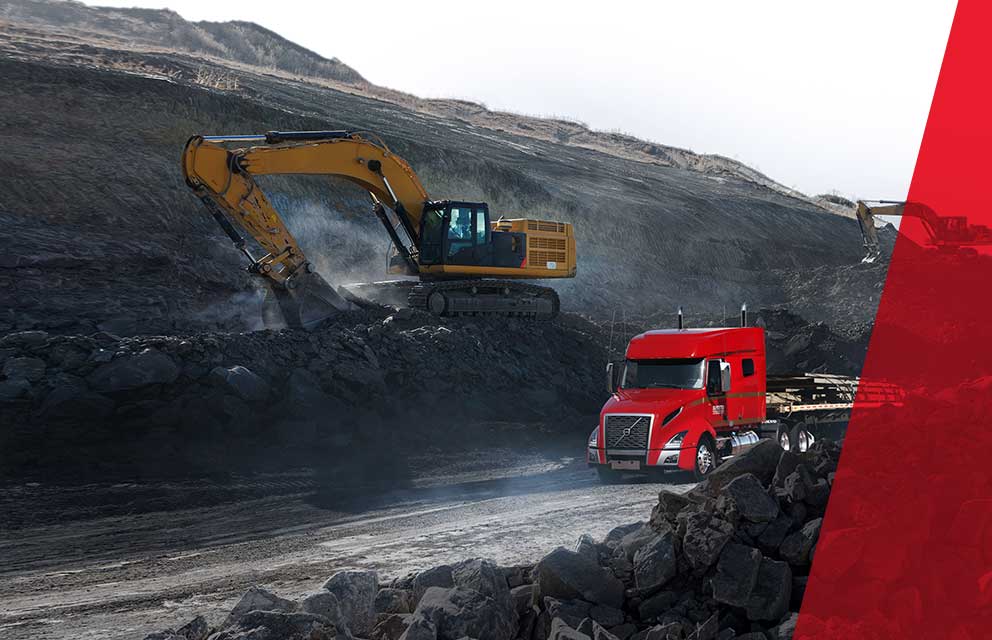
(627, 432)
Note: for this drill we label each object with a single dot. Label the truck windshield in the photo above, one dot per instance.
(669, 373)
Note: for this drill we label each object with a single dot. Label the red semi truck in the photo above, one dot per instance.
(687, 399)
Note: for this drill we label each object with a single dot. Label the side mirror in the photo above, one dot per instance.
(613, 372)
(724, 377)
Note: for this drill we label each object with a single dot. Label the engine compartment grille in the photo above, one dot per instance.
(627, 432)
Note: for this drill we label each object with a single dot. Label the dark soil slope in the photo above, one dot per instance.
(101, 232)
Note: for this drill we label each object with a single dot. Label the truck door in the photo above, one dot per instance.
(715, 393)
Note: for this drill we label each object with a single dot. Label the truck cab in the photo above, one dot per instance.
(682, 399)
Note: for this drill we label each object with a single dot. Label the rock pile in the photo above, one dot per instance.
(204, 402)
(728, 560)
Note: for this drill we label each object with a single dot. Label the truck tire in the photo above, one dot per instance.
(705, 458)
(785, 437)
(800, 438)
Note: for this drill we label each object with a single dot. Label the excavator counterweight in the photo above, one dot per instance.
(467, 263)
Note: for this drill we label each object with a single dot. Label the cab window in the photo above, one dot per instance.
(481, 228)
(459, 230)
(747, 367)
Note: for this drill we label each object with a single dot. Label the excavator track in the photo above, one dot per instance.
(506, 298)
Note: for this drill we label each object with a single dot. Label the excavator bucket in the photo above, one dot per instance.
(303, 303)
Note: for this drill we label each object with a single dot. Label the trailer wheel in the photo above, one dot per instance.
(786, 437)
(607, 475)
(705, 458)
(800, 437)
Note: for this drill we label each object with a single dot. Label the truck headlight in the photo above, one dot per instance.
(594, 438)
(676, 441)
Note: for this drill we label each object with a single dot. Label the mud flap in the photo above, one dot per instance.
(305, 302)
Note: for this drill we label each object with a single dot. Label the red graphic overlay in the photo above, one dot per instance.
(906, 548)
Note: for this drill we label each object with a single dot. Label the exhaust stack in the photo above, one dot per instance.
(681, 324)
(744, 315)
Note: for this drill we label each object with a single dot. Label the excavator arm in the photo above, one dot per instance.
(224, 179)
(866, 218)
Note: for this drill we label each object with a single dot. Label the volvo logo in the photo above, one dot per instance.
(627, 431)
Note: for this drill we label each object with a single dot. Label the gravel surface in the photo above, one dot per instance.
(122, 576)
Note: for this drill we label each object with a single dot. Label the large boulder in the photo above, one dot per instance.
(134, 371)
(273, 625)
(656, 562)
(391, 626)
(326, 604)
(391, 600)
(751, 500)
(522, 598)
(571, 611)
(486, 578)
(420, 629)
(705, 536)
(257, 599)
(776, 531)
(483, 576)
(305, 397)
(796, 548)
(592, 629)
(11, 390)
(761, 461)
(560, 630)
(460, 612)
(631, 543)
(30, 369)
(72, 401)
(769, 600)
(356, 591)
(240, 381)
(566, 575)
(439, 576)
(736, 574)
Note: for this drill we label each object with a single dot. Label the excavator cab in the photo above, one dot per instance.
(462, 234)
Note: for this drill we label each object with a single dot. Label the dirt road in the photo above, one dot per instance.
(146, 556)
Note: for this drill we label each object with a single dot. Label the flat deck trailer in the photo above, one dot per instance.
(688, 399)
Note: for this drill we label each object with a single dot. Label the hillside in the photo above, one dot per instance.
(103, 234)
(240, 42)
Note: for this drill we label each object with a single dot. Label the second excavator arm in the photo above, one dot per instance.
(866, 219)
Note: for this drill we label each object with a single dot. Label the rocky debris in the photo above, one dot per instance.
(751, 500)
(460, 612)
(393, 601)
(241, 382)
(68, 400)
(706, 567)
(566, 574)
(656, 562)
(195, 629)
(257, 599)
(133, 371)
(356, 591)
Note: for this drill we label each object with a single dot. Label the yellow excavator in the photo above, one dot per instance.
(467, 263)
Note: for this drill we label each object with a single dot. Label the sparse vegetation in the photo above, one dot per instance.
(216, 79)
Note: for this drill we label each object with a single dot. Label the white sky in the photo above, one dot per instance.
(821, 96)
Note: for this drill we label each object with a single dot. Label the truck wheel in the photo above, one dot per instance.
(800, 438)
(705, 458)
(786, 437)
(607, 475)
